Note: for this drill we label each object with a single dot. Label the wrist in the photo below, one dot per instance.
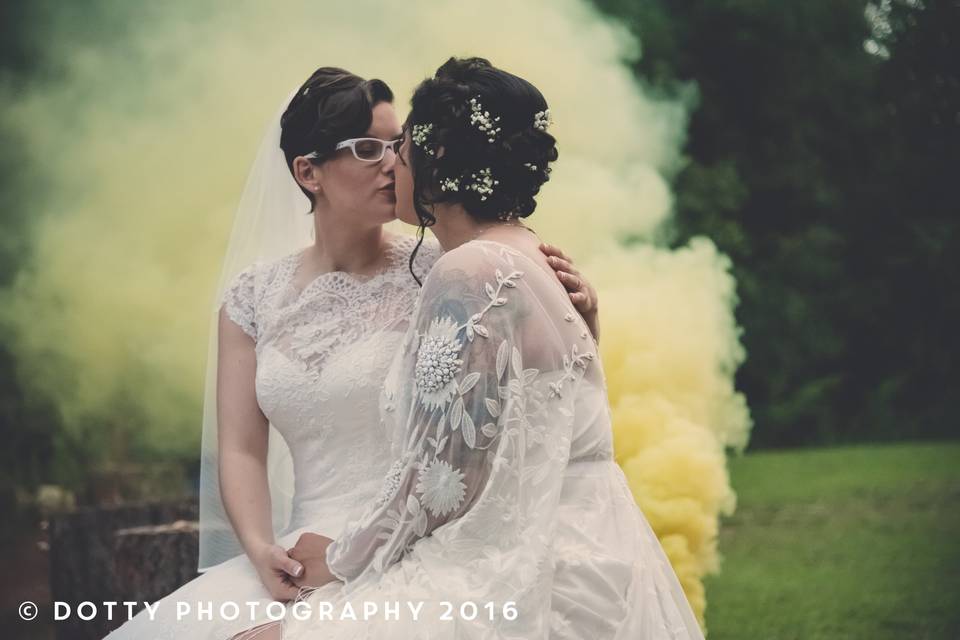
(257, 549)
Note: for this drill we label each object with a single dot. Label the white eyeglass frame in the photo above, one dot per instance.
(352, 144)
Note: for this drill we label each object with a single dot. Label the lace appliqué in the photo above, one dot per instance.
(440, 485)
(338, 309)
(390, 484)
(239, 303)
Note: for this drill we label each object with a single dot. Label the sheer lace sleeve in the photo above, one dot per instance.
(483, 405)
(239, 301)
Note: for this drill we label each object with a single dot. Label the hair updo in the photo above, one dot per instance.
(332, 105)
(457, 150)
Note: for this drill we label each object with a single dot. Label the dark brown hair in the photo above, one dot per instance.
(332, 105)
(518, 158)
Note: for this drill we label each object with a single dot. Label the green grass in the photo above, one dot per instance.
(847, 542)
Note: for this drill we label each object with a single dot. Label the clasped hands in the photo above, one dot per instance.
(285, 571)
(311, 552)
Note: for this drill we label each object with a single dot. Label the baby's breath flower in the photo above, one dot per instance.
(420, 134)
(481, 119)
(542, 119)
(482, 183)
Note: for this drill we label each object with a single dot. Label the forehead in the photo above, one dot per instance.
(385, 124)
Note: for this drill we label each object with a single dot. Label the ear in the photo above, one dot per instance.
(308, 175)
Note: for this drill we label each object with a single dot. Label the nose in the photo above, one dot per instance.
(389, 160)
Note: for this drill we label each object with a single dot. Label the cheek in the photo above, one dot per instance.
(404, 186)
(350, 186)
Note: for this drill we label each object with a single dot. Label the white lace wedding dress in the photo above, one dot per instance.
(322, 356)
(503, 514)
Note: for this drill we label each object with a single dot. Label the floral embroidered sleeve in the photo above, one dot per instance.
(481, 401)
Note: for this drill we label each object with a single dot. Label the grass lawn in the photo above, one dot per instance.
(845, 542)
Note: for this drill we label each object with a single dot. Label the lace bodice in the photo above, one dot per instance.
(322, 356)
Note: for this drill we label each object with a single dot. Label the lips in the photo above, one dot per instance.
(389, 187)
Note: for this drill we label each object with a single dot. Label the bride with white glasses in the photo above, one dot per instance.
(309, 312)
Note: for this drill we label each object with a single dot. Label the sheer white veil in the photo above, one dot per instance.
(271, 221)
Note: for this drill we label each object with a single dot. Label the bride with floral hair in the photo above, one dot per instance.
(503, 514)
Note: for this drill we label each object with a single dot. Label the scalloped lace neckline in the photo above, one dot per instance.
(295, 260)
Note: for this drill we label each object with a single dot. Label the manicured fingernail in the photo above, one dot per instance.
(297, 570)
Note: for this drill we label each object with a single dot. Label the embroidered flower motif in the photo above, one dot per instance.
(442, 487)
(438, 364)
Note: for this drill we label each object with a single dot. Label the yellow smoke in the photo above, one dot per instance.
(670, 348)
(144, 143)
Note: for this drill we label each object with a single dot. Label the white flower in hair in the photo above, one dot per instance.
(481, 119)
(450, 184)
(483, 183)
(419, 135)
(542, 120)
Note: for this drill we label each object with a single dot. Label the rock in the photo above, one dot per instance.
(152, 561)
(83, 551)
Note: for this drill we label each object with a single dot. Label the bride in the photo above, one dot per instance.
(503, 514)
(313, 309)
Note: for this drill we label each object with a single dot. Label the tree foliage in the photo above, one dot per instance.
(820, 157)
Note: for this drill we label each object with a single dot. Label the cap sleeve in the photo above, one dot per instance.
(238, 301)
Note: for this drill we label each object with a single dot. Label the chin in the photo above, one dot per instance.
(383, 213)
(407, 215)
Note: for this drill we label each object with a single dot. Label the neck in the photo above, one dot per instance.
(344, 247)
(455, 226)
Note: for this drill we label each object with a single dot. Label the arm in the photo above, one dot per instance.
(444, 465)
(472, 411)
(242, 443)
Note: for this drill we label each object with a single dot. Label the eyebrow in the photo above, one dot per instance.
(394, 137)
